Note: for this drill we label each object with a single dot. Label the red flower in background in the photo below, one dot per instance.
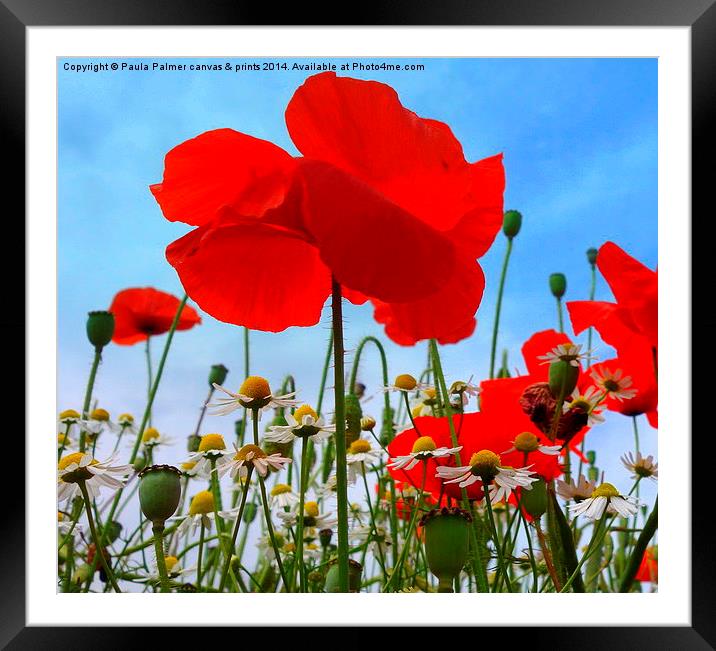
(629, 325)
(141, 312)
(649, 567)
(379, 198)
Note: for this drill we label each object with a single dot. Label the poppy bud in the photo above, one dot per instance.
(503, 373)
(111, 531)
(139, 463)
(591, 457)
(159, 492)
(593, 473)
(100, 328)
(558, 285)
(217, 374)
(325, 535)
(562, 378)
(192, 442)
(534, 501)
(355, 570)
(249, 512)
(511, 223)
(353, 415)
(592, 256)
(446, 543)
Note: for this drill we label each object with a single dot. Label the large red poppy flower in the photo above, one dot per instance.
(503, 395)
(379, 198)
(141, 312)
(484, 430)
(629, 326)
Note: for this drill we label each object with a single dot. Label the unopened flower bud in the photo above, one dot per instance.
(359, 389)
(100, 328)
(592, 256)
(387, 430)
(534, 501)
(446, 544)
(367, 423)
(159, 492)
(511, 223)
(593, 473)
(217, 374)
(591, 457)
(558, 285)
(563, 378)
(139, 463)
(355, 569)
(325, 535)
(111, 531)
(192, 442)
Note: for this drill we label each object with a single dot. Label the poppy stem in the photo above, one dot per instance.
(148, 355)
(246, 374)
(498, 307)
(340, 438)
(299, 564)
(158, 531)
(559, 314)
(88, 394)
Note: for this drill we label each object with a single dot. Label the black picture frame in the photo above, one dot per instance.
(699, 15)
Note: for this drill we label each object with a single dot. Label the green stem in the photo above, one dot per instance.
(638, 552)
(559, 314)
(148, 355)
(199, 557)
(246, 374)
(227, 564)
(372, 522)
(600, 531)
(158, 531)
(498, 549)
(500, 291)
(299, 564)
(269, 527)
(88, 394)
(340, 436)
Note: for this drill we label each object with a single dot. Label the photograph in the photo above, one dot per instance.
(357, 325)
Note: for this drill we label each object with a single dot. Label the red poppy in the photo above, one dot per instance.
(484, 430)
(140, 312)
(629, 325)
(503, 395)
(649, 567)
(379, 198)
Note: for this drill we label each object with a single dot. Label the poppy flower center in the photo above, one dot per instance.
(526, 442)
(212, 442)
(99, 414)
(359, 446)
(280, 489)
(424, 444)
(406, 382)
(605, 490)
(305, 410)
(201, 503)
(255, 451)
(255, 387)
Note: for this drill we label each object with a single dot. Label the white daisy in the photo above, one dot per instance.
(254, 394)
(174, 570)
(641, 467)
(64, 441)
(201, 511)
(465, 390)
(605, 496)
(251, 456)
(406, 383)
(568, 352)
(528, 442)
(360, 452)
(68, 420)
(589, 402)
(76, 467)
(151, 438)
(379, 540)
(424, 448)
(615, 384)
(304, 422)
(282, 496)
(579, 491)
(97, 420)
(65, 525)
(211, 448)
(311, 517)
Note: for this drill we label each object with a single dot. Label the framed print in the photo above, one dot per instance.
(341, 317)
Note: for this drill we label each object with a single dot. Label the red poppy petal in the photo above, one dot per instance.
(361, 127)
(447, 315)
(605, 317)
(537, 345)
(370, 244)
(254, 274)
(222, 168)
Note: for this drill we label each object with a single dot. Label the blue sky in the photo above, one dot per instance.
(579, 138)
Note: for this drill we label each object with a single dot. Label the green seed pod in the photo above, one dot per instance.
(592, 256)
(249, 512)
(139, 463)
(562, 378)
(591, 457)
(217, 374)
(446, 543)
(192, 442)
(100, 328)
(535, 501)
(511, 223)
(558, 285)
(353, 415)
(159, 492)
(355, 570)
(111, 531)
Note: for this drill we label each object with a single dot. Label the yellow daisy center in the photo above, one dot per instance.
(60, 516)
(484, 464)
(279, 489)
(305, 410)
(212, 442)
(361, 445)
(417, 410)
(71, 458)
(126, 418)
(289, 547)
(63, 438)
(170, 562)
(255, 387)
(188, 465)
(246, 450)
(424, 444)
(430, 394)
(605, 490)
(367, 423)
(311, 509)
(99, 414)
(149, 434)
(202, 502)
(406, 382)
(68, 414)
(526, 442)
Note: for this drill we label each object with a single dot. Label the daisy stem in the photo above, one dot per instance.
(64, 442)
(158, 531)
(372, 522)
(148, 355)
(234, 535)
(600, 530)
(533, 564)
(269, 528)
(95, 537)
(639, 549)
(255, 419)
(478, 567)
(498, 548)
(199, 557)
(88, 394)
(498, 307)
(340, 436)
(299, 564)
